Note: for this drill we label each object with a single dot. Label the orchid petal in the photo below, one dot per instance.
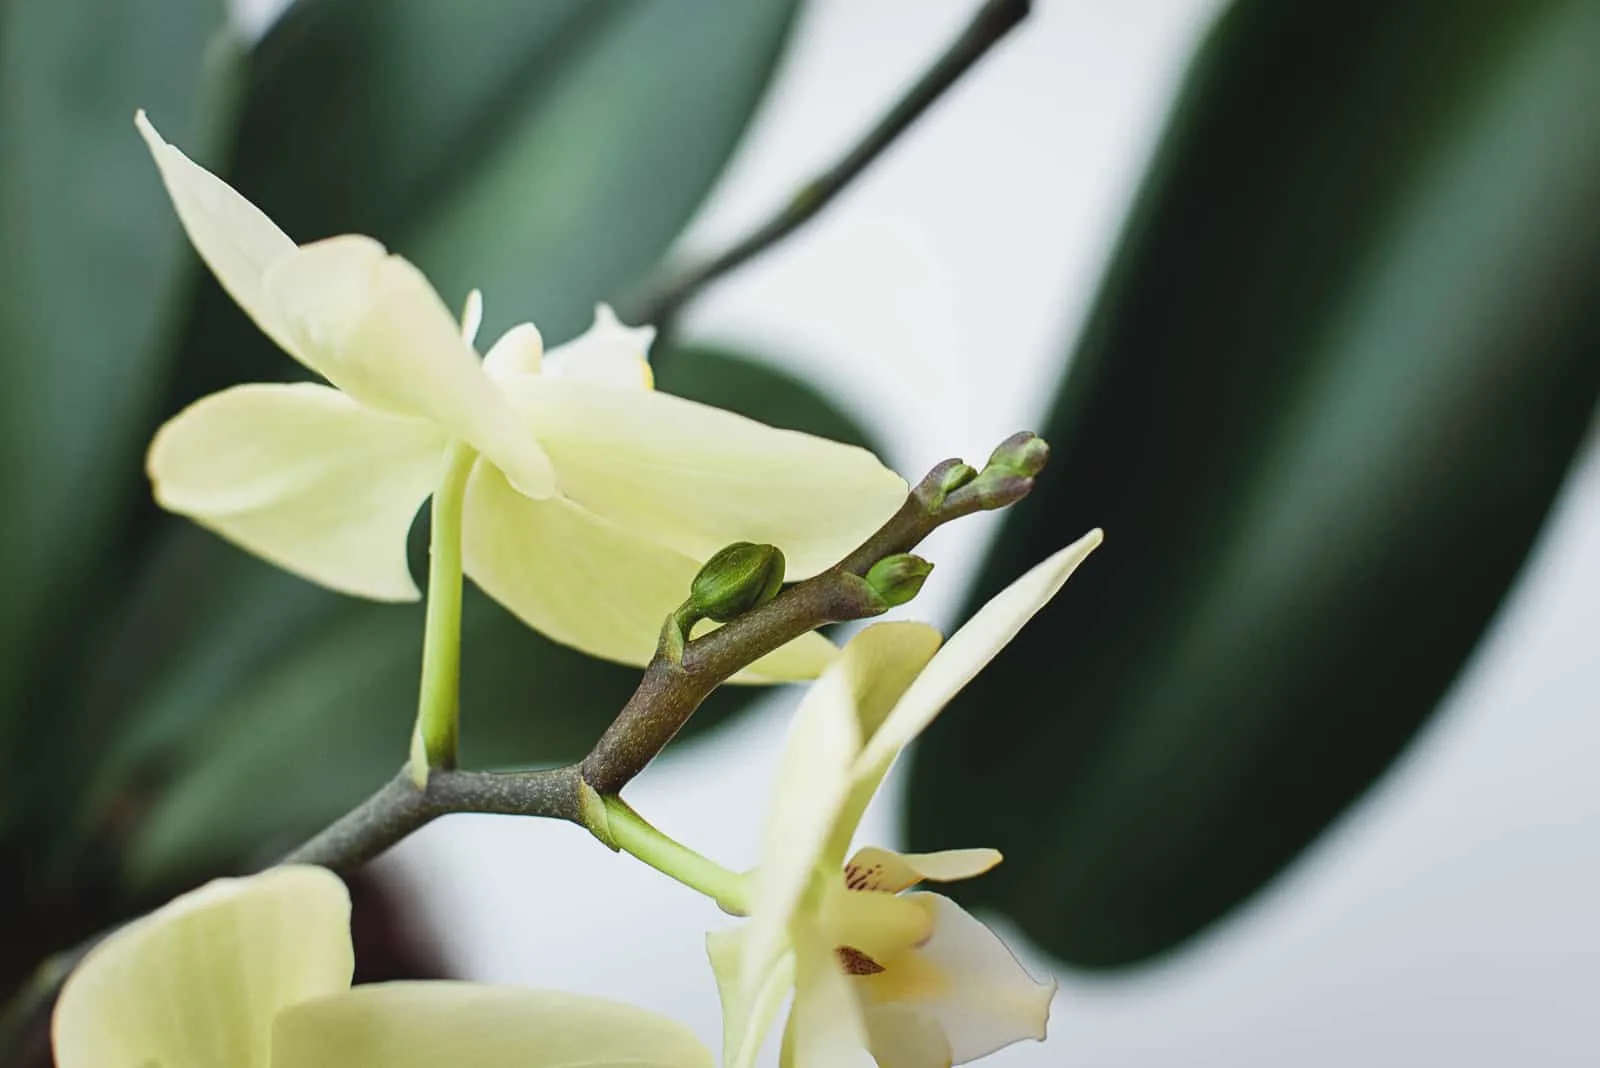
(987, 999)
(305, 477)
(234, 238)
(746, 1018)
(886, 871)
(902, 1037)
(608, 353)
(374, 327)
(813, 781)
(469, 1025)
(471, 316)
(825, 1026)
(879, 927)
(698, 478)
(520, 351)
(898, 651)
(967, 652)
(196, 984)
(586, 582)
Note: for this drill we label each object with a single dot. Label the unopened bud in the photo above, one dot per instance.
(898, 578)
(738, 578)
(955, 476)
(942, 481)
(1022, 454)
(1008, 476)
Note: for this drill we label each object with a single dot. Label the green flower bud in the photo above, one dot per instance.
(738, 578)
(955, 476)
(898, 578)
(1022, 455)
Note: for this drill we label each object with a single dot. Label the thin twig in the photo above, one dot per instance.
(992, 22)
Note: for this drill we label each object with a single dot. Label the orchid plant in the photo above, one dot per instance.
(631, 525)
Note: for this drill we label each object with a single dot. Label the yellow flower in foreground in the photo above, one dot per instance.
(594, 499)
(909, 976)
(252, 973)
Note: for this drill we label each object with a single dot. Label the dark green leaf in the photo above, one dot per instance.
(1346, 353)
(584, 194)
(91, 270)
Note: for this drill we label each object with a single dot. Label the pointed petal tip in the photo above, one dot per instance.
(472, 316)
(147, 130)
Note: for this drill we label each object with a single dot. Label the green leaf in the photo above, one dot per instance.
(582, 197)
(1343, 360)
(276, 706)
(92, 270)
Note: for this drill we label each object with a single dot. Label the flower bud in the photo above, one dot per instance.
(898, 578)
(738, 578)
(1022, 454)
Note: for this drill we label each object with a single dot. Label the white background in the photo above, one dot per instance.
(1451, 919)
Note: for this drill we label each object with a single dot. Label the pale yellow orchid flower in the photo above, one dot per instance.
(592, 501)
(909, 980)
(255, 973)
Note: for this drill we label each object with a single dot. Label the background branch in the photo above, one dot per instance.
(992, 22)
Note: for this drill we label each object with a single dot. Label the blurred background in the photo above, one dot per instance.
(1299, 767)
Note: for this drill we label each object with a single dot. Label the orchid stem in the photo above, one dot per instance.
(632, 834)
(435, 741)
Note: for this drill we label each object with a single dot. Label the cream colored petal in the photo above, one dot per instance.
(520, 351)
(813, 780)
(585, 582)
(305, 477)
(374, 327)
(879, 926)
(608, 353)
(967, 652)
(698, 478)
(746, 1017)
(902, 1037)
(825, 1026)
(196, 984)
(231, 234)
(893, 654)
(469, 1025)
(886, 871)
(988, 1000)
(471, 316)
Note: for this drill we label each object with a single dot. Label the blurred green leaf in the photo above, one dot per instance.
(384, 106)
(584, 195)
(91, 277)
(327, 687)
(1346, 353)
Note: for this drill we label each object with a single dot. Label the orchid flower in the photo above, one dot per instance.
(907, 979)
(587, 499)
(255, 973)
